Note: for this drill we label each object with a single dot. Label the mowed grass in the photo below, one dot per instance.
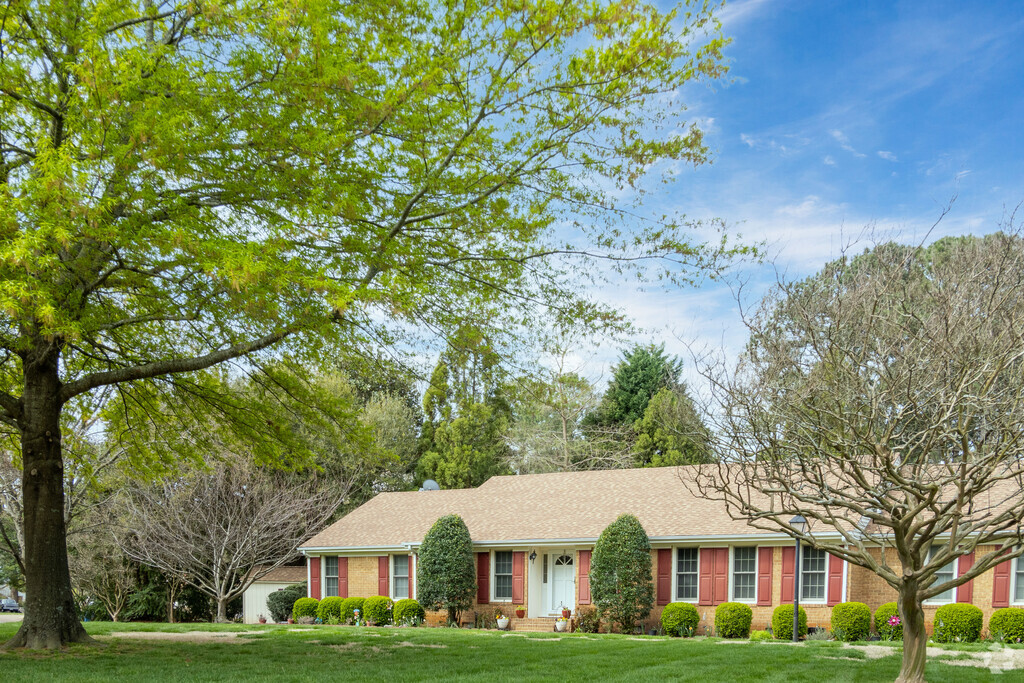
(300, 653)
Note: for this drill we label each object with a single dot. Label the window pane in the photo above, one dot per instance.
(1018, 582)
(401, 587)
(330, 576)
(402, 565)
(332, 566)
(503, 586)
(944, 574)
(744, 567)
(686, 574)
(331, 587)
(503, 562)
(812, 573)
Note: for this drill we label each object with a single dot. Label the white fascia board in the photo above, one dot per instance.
(355, 550)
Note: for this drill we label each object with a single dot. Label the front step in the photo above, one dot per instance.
(538, 625)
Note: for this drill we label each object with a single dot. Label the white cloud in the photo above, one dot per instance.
(888, 156)
(828, 160)
(844, 143)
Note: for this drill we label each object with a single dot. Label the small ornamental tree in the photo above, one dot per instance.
(280, 602)
(446, 578)
(620, 572)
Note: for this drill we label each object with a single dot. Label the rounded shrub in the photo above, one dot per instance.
(280, 602)
(888, 627)
(850, 621)
(782, 622)
(1007, 625)
(329, 610)
(957, 623)
(349, 607)
(732, 620)
(378, 609)
(679, 619)
(407, 611)
(756, 636)
(304, 607)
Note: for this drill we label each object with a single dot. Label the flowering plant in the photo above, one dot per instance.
(894, 620)
(499, 615)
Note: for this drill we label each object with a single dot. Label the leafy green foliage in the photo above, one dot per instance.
(670, 432)
(636, 378)
(588, 620)
(445, 576)
(782, 622)
(680, 619)
(377, 609)
(1006, 625)
(886, 626)
(620, 572)
(760, 636)
(408, 611)
(305, 607)
(349, 607)
(732, 620)
(957, 623)
(329, 610)
(850, 621)
(280, 602)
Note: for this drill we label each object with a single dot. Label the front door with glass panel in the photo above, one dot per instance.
(563, 588)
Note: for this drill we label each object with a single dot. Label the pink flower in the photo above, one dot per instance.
(894, 620)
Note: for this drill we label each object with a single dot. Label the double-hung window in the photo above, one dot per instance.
(1018, 580)
(686, 574)
(812, 573)
(744, 574)
(401, 577)
(503, 575)
(330, 576)
(946, 573)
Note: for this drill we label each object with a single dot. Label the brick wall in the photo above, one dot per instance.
(362, 577)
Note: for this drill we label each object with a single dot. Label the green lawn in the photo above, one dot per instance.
(280, 653)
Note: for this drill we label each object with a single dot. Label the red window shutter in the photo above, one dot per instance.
(721, 580)
(343, 577)
(788, 575)
(765, 558)
(1001, 584)
(664, 576)
(584, 577)
(412, 577)
(483, 578)
(706, 578)
(834, 587)
(382, 576)
(965, 591)
(518, 577)
(314, 577)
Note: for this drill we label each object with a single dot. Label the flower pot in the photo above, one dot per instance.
(520, 613)
(503, 623)
(561, 625)
(566, 613)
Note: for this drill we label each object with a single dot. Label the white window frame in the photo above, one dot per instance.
(1015, 568)
(494, 576)
(394, 576)
(336, 577)
(732, 575)
(824, 588)
(938, 599)
(676, 572)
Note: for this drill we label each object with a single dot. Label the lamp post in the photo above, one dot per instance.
(799, 524)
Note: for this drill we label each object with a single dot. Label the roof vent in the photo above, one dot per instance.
(430, 485)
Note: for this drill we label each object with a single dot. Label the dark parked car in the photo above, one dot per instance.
(9, 605)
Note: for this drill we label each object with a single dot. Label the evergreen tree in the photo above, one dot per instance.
(445, 576)
(620, 572)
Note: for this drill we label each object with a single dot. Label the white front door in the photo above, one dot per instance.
(563, 588)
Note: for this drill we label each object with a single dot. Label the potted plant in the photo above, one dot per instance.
(566, 612)
(561, 623)
(262, 619)
(520, 611)
(501, 620)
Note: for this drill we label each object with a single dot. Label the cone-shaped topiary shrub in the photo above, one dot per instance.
(445, 574)
(620, 572)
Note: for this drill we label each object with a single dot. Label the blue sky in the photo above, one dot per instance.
(837, 116)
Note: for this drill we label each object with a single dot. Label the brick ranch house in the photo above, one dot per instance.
(533, 536)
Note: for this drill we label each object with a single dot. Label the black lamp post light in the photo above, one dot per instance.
(799, 524)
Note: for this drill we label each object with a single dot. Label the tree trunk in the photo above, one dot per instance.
(222, 610)
(915, 639)
(51, 619)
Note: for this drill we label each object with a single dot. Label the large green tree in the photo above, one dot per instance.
(620, 572)
(185, 183)
(445, 576)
